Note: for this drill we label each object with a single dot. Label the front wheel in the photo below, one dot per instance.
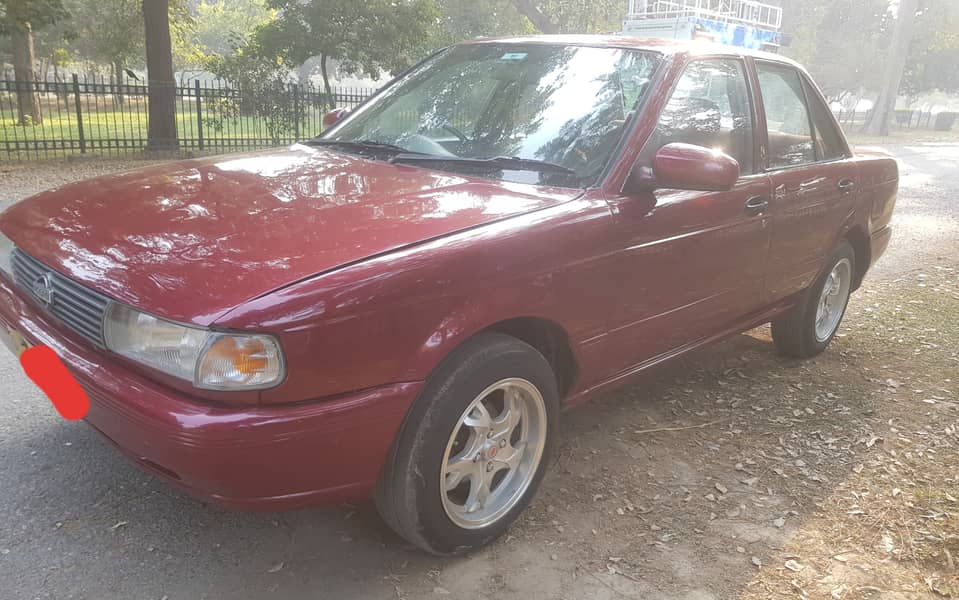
(474, 447)
(807, 328)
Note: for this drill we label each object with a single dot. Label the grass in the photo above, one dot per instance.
(109, 128)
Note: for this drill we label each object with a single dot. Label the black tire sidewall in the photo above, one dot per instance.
(433, 419)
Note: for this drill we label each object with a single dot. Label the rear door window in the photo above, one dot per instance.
(787, 118)
(828, 140)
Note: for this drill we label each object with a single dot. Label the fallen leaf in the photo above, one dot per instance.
(275, 568)
(794, 566)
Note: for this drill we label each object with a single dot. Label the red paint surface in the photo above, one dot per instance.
(370, 274)
(45, 368)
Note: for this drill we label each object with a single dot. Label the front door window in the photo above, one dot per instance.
(709, 107)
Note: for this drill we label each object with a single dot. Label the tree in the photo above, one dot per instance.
(574, 16)
(461, 20)
(933, 62)
(223, 25)
(878, 123)
(372, 36)
(532, 12)
(161, 101)
(102, 31)
(837, 40)
(19, 19)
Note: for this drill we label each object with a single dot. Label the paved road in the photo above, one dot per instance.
(78, 521)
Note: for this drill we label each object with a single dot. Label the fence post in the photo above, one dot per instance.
(76, 103)
(199, 115)
(296, 112)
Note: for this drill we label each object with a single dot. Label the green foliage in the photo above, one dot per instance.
(838, 40)
(222, 25)
(262, 77)
(105, 31)
(933, 62)
(596, 16)
(844, 43)
(38, 13)
(371, 36)
(461, 20)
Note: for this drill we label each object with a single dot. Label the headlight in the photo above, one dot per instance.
(209, 359)
(6, 250)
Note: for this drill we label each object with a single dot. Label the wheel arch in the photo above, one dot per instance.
(545, 335)
(551, 340)
(859, 240)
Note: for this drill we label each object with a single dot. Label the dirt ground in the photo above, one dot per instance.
(732, 473)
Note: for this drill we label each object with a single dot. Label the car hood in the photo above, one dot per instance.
(191, 240)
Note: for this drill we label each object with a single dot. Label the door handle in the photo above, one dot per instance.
(846, 185)
(756, 205)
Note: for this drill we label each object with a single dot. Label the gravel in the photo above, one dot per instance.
(21, 180)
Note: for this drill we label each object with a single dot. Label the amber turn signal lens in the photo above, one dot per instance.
(248, 357)
(241, 360)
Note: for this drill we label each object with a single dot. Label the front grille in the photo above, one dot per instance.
(77, 307)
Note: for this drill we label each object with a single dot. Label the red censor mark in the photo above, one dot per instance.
(44, 367)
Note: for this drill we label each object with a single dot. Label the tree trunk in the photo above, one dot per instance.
(881, 115)
(118, 82)
(161, 87)
(540, 21)
(24, 73)
(326, 82)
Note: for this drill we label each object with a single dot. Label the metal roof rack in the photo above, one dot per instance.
(743, 12)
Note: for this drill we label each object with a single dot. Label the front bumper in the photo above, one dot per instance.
(262, 457)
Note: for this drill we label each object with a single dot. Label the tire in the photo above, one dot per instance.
(799, 333)
(446, 423)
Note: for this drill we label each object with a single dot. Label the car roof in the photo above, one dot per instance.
(659, 45)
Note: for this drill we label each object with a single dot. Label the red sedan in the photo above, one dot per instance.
(402, 307)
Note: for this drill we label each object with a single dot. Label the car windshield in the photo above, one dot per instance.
(529, 113)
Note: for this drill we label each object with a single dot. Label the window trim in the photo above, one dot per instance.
(756, 167)
(807, 87)
(633, 122)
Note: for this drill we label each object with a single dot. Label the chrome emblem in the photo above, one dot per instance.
(43, 289)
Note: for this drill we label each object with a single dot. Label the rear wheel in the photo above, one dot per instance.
(807, 329)
(474, 447)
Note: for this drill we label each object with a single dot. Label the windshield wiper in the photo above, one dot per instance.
(494, 163)
(359, 145)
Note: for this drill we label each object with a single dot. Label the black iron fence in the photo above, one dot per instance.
(852, 120)
(94, 116)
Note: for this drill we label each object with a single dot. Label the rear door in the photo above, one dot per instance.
(813, 182)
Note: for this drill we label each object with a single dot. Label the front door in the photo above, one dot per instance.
(695, 263)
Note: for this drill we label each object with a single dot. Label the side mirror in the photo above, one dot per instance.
(685, 167)
(333, 117)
